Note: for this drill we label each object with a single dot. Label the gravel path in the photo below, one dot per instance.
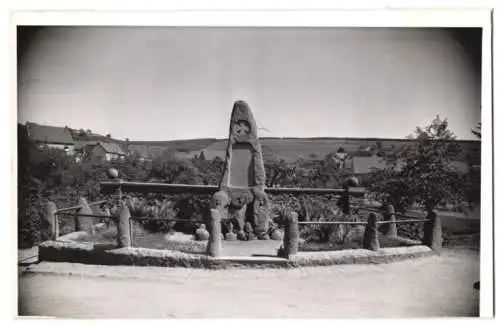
(425, 287)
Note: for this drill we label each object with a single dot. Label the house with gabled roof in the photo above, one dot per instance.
(103, 151)
(51, 137)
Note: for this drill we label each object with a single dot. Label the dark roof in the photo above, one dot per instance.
(49, 134)
(81, 144)
(112, 148)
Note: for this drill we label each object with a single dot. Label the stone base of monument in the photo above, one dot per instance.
(74, 251)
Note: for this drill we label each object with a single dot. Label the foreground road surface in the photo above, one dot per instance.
(432, 286)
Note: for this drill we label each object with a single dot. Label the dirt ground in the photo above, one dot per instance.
(426, 287)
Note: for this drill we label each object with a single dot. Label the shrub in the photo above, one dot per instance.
(425, 174)
(154, 209)
(414, 231)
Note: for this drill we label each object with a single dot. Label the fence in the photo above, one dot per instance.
(432, 228)
(84, 217)
(50, 219)
(84, 220)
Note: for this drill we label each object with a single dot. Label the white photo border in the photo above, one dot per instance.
(310, 18)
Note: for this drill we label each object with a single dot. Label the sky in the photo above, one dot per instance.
(166, 83)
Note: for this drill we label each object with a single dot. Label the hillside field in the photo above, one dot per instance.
(293, 148)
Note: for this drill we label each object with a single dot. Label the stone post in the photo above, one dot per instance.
(291, 236)
(49, 229)
(432, 231)
(124, 239)
(370, 239)
(214, 246)
(391, 230)
(84, 223)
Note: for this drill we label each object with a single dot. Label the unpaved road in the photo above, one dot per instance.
(431, 286)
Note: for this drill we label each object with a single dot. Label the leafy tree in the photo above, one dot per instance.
(477, 131)
(427, 176)
(172, 170)
(279, 172)
(389, 186)
(277, 169)
(210, 171)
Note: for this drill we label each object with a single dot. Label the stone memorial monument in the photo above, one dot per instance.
(241, 198)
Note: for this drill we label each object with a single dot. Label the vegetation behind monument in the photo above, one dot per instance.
(427, 178)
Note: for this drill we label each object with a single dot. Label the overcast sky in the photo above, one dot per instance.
(179, 83)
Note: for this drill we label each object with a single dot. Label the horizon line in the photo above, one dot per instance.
(225, 138)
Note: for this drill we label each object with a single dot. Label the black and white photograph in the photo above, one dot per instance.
(251, 171)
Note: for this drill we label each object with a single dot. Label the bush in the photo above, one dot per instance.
(414, 231)
(423, 172)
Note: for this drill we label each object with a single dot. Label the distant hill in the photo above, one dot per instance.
(289, 148)
(178, 145)
(295, 148)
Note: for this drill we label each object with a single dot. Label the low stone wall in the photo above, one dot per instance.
(359, 256)
(88, 253)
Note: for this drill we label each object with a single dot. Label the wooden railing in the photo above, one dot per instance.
(84, 217)
(108, 187)
(50, 219)
(432, 236)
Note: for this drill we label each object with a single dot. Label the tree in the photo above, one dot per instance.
(279, 172)
(172, 170)
(422, 172)
(477, 131)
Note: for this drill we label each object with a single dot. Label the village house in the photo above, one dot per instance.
(107, 152)
(83, 149)
(51, 137)
(98, 151)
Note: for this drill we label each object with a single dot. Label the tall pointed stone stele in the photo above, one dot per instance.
(241, 195)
